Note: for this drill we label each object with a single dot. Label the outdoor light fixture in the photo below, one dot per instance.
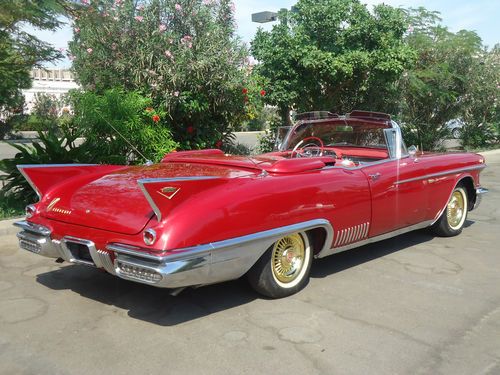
(263, 17)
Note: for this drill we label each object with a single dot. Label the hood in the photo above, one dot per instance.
(115, 202)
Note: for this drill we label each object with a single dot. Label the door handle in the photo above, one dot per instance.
(374, 177)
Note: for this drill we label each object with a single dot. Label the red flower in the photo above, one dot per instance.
(262, 92)
(190, 129)
(156, 118)
(244, 91)
(149, 109)
(218, 144)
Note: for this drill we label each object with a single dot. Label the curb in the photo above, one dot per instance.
(490, 152)
(7, 227)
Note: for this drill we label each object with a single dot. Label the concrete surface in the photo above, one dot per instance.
(414, 304)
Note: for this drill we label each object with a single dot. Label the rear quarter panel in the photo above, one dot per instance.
(252, 204)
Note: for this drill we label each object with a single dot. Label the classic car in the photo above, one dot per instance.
(203, 217)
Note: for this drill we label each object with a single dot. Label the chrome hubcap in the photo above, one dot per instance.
(288, 257)
(456, 209)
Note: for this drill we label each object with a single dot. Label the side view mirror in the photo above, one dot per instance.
(412, 150)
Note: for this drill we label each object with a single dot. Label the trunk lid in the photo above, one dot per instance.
(115, 202)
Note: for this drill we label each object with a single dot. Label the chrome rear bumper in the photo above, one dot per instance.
(200, 265)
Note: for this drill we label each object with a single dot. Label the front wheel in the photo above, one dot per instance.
(451, 221)
(284, 268)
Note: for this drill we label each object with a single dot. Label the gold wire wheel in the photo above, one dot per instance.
(288, 257)
(455, 210)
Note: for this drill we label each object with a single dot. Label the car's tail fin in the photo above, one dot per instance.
(43, 177)
(160, 192)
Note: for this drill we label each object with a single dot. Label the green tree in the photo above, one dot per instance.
(480, 106)
(21, 51)
(334, 55)
(440, 85)
(184, 54)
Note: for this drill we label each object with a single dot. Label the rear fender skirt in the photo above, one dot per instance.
(43, 177)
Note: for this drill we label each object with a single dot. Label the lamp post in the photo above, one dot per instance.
(264, 17)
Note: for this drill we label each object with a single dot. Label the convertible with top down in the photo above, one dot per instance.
(203, 217)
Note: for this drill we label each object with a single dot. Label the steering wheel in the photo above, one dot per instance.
(309, 149)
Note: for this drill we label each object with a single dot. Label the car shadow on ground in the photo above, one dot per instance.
(157, 306)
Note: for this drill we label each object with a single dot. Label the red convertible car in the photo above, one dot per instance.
(202, 217)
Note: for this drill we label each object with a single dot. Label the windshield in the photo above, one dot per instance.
(337, 133)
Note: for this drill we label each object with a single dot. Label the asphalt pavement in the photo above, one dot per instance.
(415, 304)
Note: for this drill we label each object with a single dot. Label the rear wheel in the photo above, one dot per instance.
(456, 133)
(451, 221)
(284, 268)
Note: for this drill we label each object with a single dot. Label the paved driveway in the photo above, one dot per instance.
(414, 304)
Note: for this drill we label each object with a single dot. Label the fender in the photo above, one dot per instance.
(43, 177)
(160, 192)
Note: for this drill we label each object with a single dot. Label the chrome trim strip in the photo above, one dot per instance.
(237, 241)
(105, 260)
(33, 228)
(133, 251)
(342, 235)
(381, 237)
(150, 200)
(440, 174)
(358, 232)
(351, 234)
(365, 234)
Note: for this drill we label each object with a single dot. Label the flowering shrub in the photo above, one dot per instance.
(183, 54)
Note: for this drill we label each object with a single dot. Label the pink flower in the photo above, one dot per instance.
(233, 7)
(86, 2)
(118, 2)
(186, 40)
(76, 29)
(71, 57)
(113, 46)
(168, 54)
(139, 18)
(90, 50)
(163, 27)
(178, 7)
(140, 7)
(62, 49)
(176, 93)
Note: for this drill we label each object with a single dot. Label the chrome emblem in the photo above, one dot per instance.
(52, 204)
(51, 207)
(168, 192)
